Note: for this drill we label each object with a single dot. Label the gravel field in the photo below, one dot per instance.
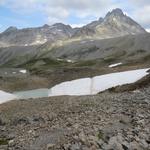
(107, 121)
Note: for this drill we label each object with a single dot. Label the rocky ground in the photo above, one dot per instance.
(108, 121)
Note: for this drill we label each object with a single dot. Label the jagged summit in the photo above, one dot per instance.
(101, 19)
(46, 26)
(115, 12)
(11, 29)
(114, 24)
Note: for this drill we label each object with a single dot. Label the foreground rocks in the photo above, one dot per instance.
(107, 121)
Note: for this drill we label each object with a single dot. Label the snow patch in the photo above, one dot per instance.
(23, 71)
(75, 87)
(70, 61)
(104, 82)
(90, 86)
(77, 25)
(60, 59)
(114, 65)
(5, 97)
(40, 41)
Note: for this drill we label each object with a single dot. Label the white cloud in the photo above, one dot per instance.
(140, 11)
(53, 16)
(77, 25)
(142, 16)
(61, 10)
(140, 2)
(58, 10)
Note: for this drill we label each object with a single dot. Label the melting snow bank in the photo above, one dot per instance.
(90, 86)
(75, 87)
(84, 86)
(4, 97)
(115, 65)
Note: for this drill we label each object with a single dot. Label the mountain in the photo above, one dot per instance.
(114, 37)
(35, 36)
(114, 24)
(127, 48)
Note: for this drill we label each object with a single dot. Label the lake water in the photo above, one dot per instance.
(38, 93)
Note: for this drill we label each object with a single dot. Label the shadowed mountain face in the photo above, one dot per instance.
(114, 24)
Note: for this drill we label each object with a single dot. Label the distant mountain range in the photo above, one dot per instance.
(114, 24)
(112, 39)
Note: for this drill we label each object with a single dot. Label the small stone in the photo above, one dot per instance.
(11, 136)
(144, 144)
(120, 138)
(147, 101)
(30, 131)
(141, 116)
(1, 122)
(114, 144)
(75, 146)
(50, 145)
(82, 137)
(134, 145)
(3, 147)
(11, 143)
(125, 145)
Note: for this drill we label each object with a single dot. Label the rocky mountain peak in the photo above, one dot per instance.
(101, 19)
(46, 26)
(60, 25)
(11, 29)
(115, 12)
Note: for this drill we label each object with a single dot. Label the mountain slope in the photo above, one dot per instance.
(137, 45)
(126, 48)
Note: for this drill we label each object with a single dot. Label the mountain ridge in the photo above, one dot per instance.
(114, 24)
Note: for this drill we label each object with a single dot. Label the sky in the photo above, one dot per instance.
(34, 13)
